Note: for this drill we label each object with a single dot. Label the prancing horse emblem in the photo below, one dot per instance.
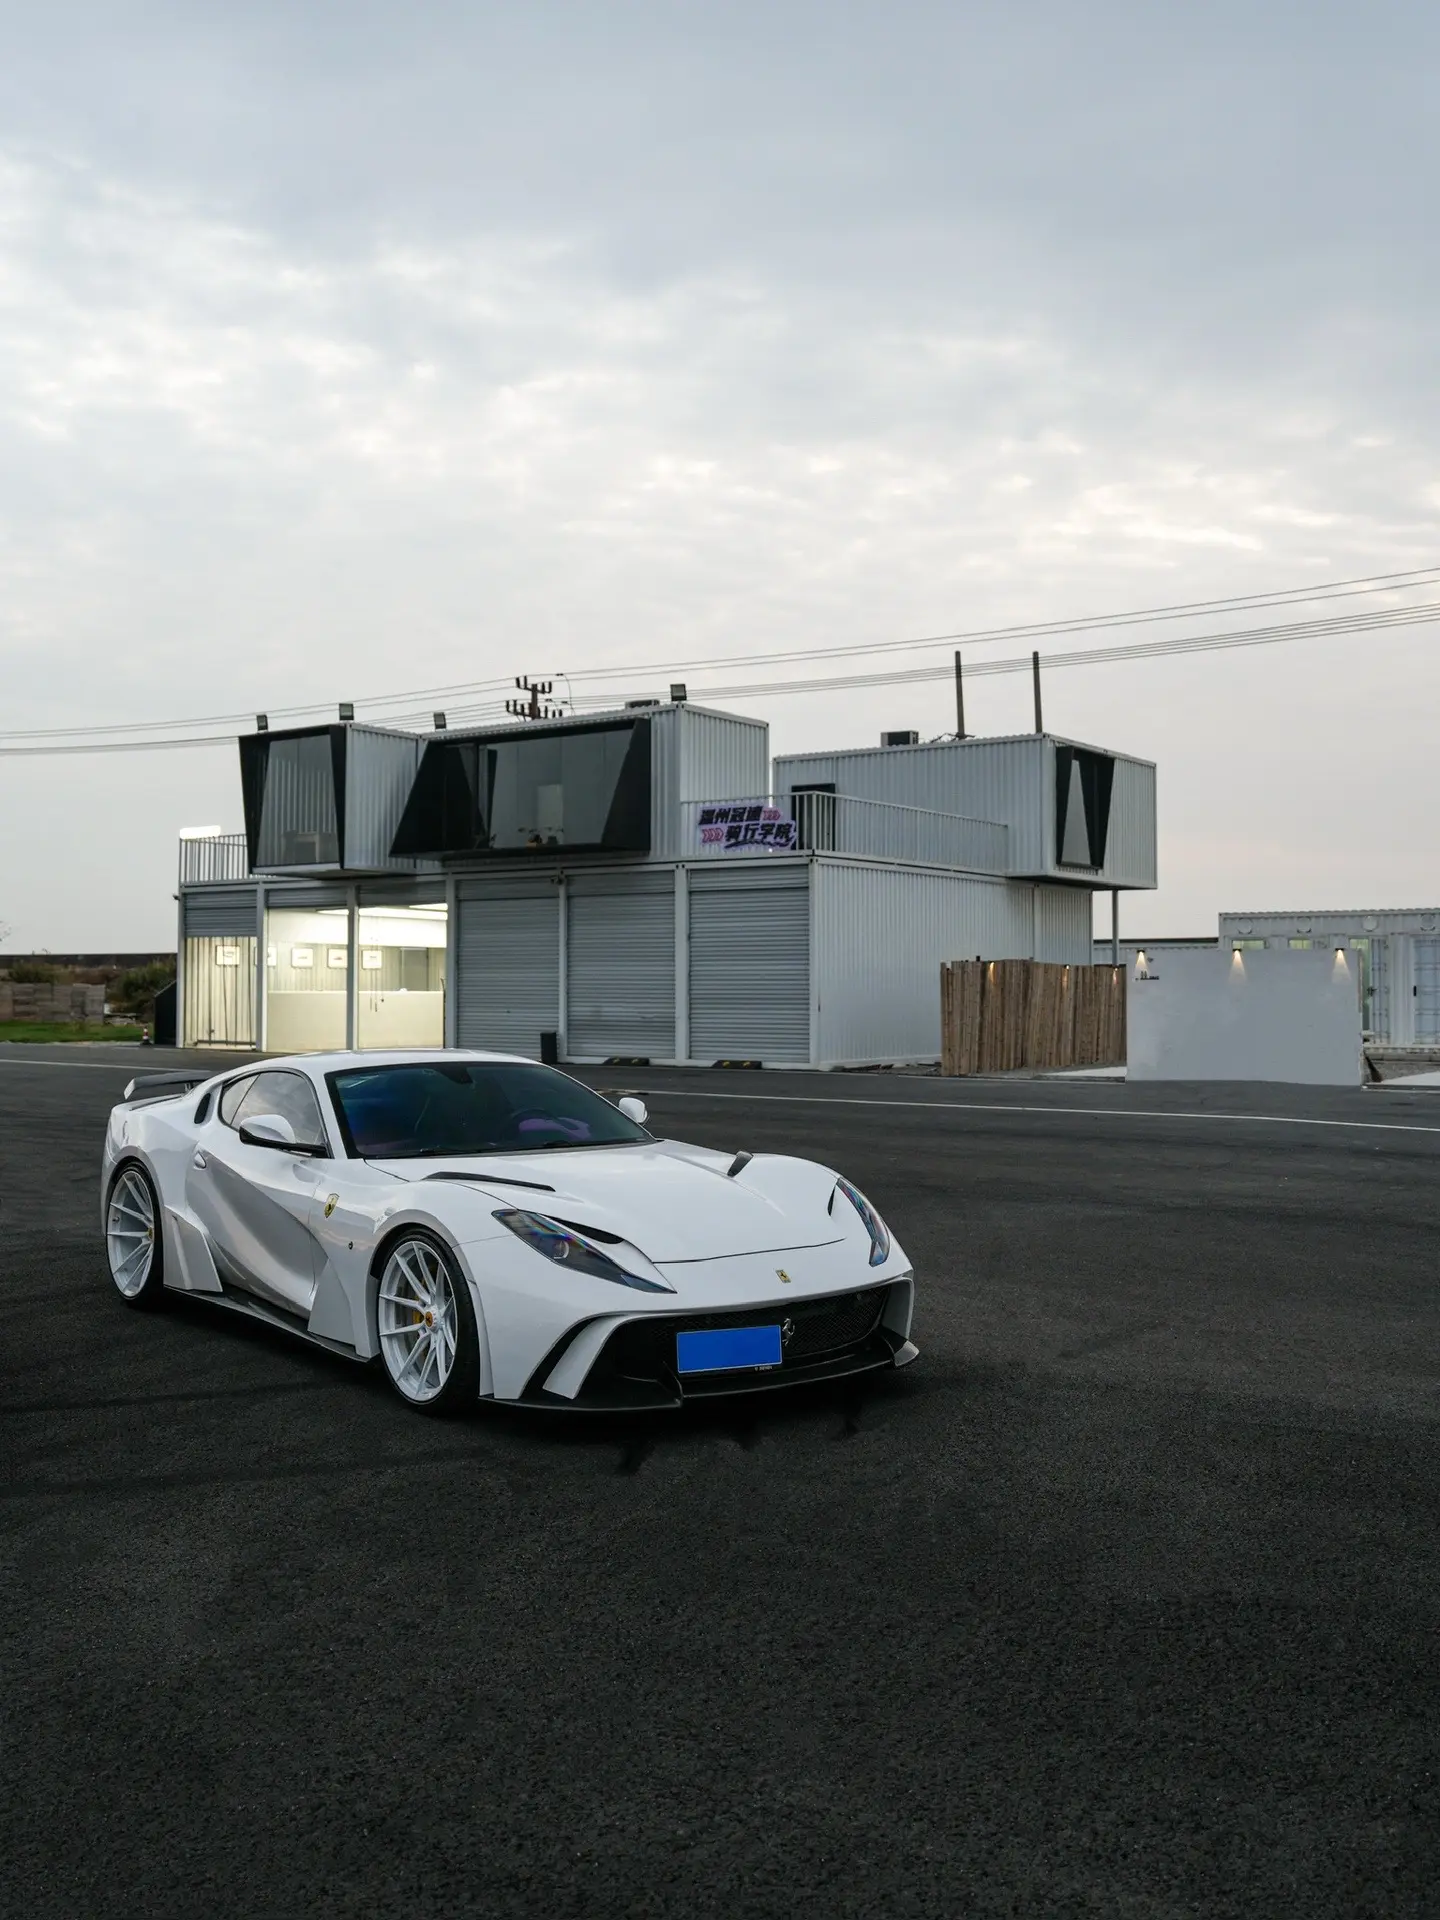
(782, 1276)
(331, 1204)
(787, 1332)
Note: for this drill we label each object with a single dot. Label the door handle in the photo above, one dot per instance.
(199, 1160)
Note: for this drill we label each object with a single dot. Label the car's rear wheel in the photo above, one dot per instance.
(133, 1242)
(429, 1345)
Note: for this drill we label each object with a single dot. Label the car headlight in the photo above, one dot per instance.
(568, 1250)
(879, 1233)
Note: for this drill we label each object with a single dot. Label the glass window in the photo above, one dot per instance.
(1245, 946)
(401, 998)
(463, 1107)
(1300, 943)
(305, 996)
(231, 1095)
(298, 816)
(541, 791)
(219, 991)
(291, 1096)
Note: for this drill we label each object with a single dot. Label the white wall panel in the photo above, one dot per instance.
(1063, 925)
(880, 936)
(1289, 1015)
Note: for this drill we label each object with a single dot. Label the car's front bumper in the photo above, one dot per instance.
(827, 1337)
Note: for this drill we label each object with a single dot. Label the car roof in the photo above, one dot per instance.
(321, 1063)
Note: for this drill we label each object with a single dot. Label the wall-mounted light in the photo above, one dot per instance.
(262, 723)
(678, 691)
(347, 709)
(439, 720)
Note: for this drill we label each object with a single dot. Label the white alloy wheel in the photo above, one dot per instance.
(420, 1320)
(131, 1231)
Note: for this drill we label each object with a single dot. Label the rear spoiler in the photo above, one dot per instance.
(163, 1086)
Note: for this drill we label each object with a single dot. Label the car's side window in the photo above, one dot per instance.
(292, 1097)
(231, 1095)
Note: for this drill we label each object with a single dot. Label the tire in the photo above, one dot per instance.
(134, 1237)
(429, 1343)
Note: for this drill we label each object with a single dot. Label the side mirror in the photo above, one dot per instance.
(267, 1130)
(634, 1109)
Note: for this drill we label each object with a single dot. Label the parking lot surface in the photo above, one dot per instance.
(1122, 1601)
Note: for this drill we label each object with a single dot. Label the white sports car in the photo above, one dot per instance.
(494, 1229)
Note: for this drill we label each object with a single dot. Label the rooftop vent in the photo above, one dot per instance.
(906, 737)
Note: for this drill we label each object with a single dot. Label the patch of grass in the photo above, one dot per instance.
(48, 1030)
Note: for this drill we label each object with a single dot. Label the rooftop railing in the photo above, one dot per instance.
(217, 857)
(834, 823)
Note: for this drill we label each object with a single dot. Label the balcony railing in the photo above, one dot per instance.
(220, 856)
(834, 823)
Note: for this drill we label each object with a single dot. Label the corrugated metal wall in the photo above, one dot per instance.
(750, 962)
(507, 963)
(1010, 780)
(1131, 857)
(620, 960)
(699, 755)
(1063, 925)
(1006, 780)
(880, 935)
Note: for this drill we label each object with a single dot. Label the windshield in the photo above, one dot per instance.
(436, 1108)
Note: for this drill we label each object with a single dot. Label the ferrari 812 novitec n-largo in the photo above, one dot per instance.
(494, 1229)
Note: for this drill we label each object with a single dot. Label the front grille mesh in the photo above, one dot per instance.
(646, 1348)
(823, 1325)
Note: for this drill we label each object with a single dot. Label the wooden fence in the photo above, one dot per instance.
(997, 1016)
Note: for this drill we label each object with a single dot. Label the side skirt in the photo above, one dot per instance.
(253, 1310)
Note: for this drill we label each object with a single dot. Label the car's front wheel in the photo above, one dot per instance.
(429, 1345)
(133, 1241)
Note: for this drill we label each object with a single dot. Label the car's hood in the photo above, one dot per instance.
(674, 1202)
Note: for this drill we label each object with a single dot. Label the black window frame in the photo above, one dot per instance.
(444, 817)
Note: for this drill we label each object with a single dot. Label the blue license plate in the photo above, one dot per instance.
(724, 1348)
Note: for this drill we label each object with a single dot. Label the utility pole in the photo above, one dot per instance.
(531, 708)
(959, 699)
(1035, 672)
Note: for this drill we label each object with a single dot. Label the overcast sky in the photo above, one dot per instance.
(352, 348)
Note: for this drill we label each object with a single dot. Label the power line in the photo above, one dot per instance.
(1354, 624)
(1325, 590)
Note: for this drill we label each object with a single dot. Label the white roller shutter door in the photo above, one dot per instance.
(620, 956)
(507, 990)
(750, 963)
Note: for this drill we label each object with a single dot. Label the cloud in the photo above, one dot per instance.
(345, 353)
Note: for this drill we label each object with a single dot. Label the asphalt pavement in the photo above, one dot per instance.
(1122, 1601)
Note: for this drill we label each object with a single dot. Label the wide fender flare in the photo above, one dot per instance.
(396, 1225)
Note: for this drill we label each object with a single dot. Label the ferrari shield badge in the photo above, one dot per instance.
(331, 1203)
(782, 1276)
